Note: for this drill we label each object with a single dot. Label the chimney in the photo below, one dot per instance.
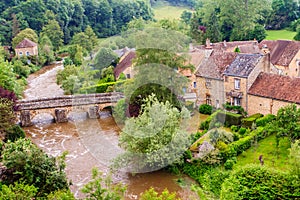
(265, 49)
(208, 45)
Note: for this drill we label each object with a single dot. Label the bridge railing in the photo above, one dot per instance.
(70, 100)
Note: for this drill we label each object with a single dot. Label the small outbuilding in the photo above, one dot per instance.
(26, 48)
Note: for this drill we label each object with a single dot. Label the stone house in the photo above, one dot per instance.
(125, 65)
(26, 48)
(284, 55)
(241, 74)
(270, 92)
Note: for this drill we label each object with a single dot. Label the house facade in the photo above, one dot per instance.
(26, 48)
(270, 92)
(125, 65)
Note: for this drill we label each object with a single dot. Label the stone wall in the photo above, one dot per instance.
(229, 86)
(68, 101)
(31, 50)
(265, 105)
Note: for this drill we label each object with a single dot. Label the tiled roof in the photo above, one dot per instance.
(243, 65)
(282, 51)
(25, 44)
(214, 66)
(277, 87)
(124, 63)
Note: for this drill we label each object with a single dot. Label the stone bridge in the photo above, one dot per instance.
(60, 107)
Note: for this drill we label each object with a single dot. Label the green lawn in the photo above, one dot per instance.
(168, 12)
(267, 148)
(280, 34)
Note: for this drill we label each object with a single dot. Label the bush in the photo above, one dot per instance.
(234, 128)
(229, 164)
(205, 109)
(34, 167)
(248, 122)
(261, 183)
(15, 133)
(263, 121)
(229, 118)
(18, 191)
(242, 131)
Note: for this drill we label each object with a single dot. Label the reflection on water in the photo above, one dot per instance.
(94, 143)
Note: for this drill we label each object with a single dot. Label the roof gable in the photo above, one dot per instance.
(282, 52)
(243, 65)
(277, 87)
(124, 63)
(26, 43)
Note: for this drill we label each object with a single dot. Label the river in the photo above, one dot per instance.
(89, 143)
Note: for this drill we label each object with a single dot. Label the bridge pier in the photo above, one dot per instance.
(93, 112)
(25, 118)
(61, 116)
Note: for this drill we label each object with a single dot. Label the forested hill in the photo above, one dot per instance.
(106, 17)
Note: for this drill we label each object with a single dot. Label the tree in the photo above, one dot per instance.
(31, 165)
(154, 139)
(93, 40)
(100, 188)
(104, 58)
(7, 116)
(53, 31)
(287, 123)
(151, 194)
(46, 53)
(297, 36)
(26, 33)
(294, 158)
(18, 191)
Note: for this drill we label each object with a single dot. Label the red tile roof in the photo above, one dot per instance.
(282, 51)
(278, 87)
(125, 62)
(25, 44)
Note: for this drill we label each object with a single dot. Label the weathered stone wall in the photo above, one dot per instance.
(32, 51)
(68, 101)
(264, 105)
(215, 90)
(294, 68)
(229, 86)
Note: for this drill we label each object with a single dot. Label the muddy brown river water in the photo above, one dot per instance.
(90, 143)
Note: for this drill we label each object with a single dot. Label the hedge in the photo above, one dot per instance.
(247, 122)
(237, 147)
(265, 120)
(205, 109)
(258, 182)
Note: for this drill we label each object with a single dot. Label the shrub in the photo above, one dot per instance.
(229, 118)
(205, 109)
(34, 167)
(18, 191)
(213, 179)
(221, 145)
(261, 183)
(229, 164)
(263, 121)
(15, 133)
(242, 131)
(248, 122)
(234, 128)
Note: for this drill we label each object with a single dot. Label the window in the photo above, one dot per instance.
(27, 53)
(237, 84)
(237, 101)
(128, 76)
(184, 90)
(217, 104)
(195, 84)
(208, 83)
(208, 99)
(21, 53)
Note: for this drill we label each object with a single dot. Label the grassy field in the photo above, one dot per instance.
(280, 34)
(273, 157)
(168, 12)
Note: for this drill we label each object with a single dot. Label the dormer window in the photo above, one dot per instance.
(237, 84)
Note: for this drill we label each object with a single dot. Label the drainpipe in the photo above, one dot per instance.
(271, 106)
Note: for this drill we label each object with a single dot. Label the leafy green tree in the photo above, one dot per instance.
(7, 116)
(26, 33)
(78, 57)
(100, 188)
(151, 194)
(104, 58)
(295, 158)
(286, 123)
(67, 71)
(8, 79)
(46, 53)
(154, 139)
(71, 85)
(186, 16)
(61, 195)
(53, 31)
(297, 36)
(93, 40)
(31, 165)
(18, 191)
